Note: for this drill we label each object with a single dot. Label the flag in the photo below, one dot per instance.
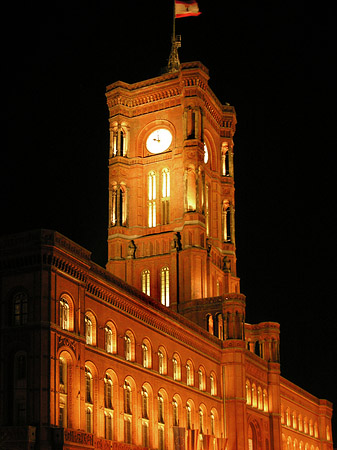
(186, 8)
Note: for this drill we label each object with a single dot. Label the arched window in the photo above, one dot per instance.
(188, 416)
(129, 346)
(127, 398)
(209, 320)
(176, 367)
(152, 197)
(119, 205)
(248, 393)
(127, 413)
(189, 374)
(162, 361)
(201, 421)
(201, 378)
(259, 398)
(63, 389)
(108, 406)
(88, 386)
(190, 189)
(265, 401)
(165, 196)
(165, 286)
(224, 159)
(127, 341)
(20, 308)
(64, 314)
(160, 409)
(252, 439)
(254, 396)
(108, 339)
(145, 418)
(108, 392)
(88, 330)
(207, 210)
(89, 400)
(146, 286)
(175, 412)
(226, 221)
(213, 384)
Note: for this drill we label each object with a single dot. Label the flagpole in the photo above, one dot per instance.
(174, 63)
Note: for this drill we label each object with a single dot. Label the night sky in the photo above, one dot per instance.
(274, 61)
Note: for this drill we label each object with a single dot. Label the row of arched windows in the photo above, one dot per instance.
(289, 443)
(119, 202)
(193, 378)
(256, 396)
(156, 410)
(295, 420)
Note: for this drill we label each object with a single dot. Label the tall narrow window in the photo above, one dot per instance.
(212, 424)
(201, 421)
(152, 196)
(88, 330)
(161, 367)
(165, 286)
(226, 221)
(108, 406)
(145, 418)
(64, 314)
(160, 409)
(224, 159)
(20, 308)
(145, 355)
(128, 348)
(176, 367)
(119, 205)
(189, 416)
(108, 339)
(146, 282)
(89, 400)
(207, 209)
(213, 384)
(165, 196)
(189, 374)
(127, 413)
(175, 413)
(63, 378)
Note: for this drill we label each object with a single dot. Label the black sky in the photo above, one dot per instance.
(274, 61)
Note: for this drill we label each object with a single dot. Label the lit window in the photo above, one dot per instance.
(118, 205)
(127, 398)
(146, 282)
(205, 154)
(201, 379)
(189, 374)
(108, 425)
(226, 221)
(64, 314)
(145, 356)
(201, 421)
(88, 330)
(175, 413)
(128, 353)
(162, 366)
(213, 384)
(89, 400)
(165, 286)
(152, 196)
(108, 391)
(145, 404)
(88, 415)
(108, 339)
(165, 196)
(189, 416)
(127, 413)
(160, 409)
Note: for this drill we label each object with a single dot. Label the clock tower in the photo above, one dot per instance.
(171, 230)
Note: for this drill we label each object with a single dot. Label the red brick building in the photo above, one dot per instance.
(155, 351)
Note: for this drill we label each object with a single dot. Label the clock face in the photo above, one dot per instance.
(205, 154)
(159, 140)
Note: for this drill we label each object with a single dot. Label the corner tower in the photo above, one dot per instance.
(171, 230)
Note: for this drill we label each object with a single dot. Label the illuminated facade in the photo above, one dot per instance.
(155, 351)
